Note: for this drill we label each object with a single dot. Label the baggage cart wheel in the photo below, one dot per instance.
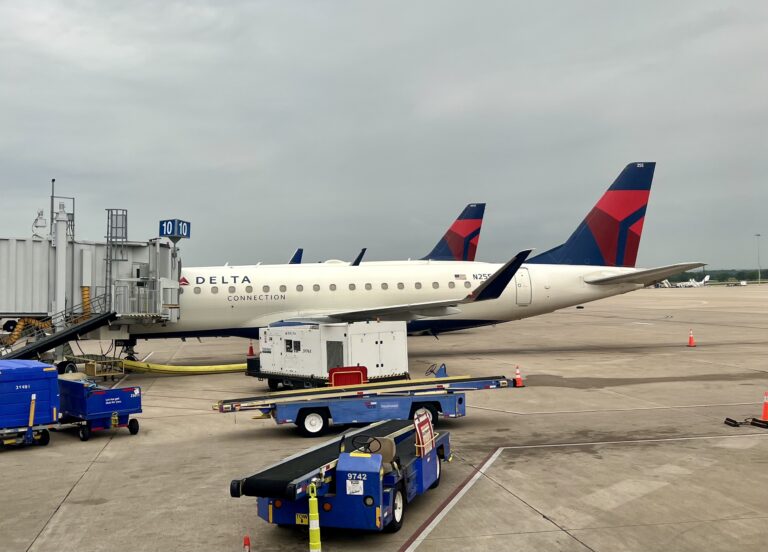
(44, 439)
(273, 384)
(66, 367)
(133, 426)
(398, 511)
(312, 422)
(439, 469)
(85, 432)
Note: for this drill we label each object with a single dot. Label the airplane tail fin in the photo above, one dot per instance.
(460, 241)
(610, 233)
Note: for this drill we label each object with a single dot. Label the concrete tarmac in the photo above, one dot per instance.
(616, 443)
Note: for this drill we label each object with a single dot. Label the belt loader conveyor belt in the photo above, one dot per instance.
(289, 478)
(389, 387)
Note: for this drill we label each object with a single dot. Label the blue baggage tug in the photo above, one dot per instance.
(362, 480)
(95, 408)
(29, 402)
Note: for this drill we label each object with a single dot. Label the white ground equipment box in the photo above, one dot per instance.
(303, 355)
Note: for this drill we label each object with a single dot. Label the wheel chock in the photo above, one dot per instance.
(759, 423)
(731, 422)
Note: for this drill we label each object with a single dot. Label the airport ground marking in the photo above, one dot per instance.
(431, 523)
(611, 409)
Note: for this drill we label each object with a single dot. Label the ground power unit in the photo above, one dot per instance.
(304, 355)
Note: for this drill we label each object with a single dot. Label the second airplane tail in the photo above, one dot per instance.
(460, 241)
(610, 233)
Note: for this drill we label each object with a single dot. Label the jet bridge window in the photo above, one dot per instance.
(214, 290)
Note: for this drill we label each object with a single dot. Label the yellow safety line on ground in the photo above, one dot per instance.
(147, 367)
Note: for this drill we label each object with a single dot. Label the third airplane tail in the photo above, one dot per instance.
(610, 233)
(460, 241)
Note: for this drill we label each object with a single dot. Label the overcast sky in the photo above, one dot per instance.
(340, 125)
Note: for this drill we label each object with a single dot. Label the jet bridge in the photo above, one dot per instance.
(57, 288)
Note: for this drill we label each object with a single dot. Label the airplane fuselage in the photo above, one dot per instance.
(237, 300)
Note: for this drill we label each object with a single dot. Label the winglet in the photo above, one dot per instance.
(296, 259)
(494, 286)
(359, 257)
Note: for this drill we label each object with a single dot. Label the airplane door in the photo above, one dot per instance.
(523, 286)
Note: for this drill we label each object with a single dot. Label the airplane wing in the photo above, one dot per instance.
(642, 277)
(359, 257)
(491, 288)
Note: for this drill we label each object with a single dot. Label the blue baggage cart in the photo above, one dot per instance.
(29, 401)
(95, 408)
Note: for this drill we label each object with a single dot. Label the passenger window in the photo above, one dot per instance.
(197, 291)
(231, 289)
(352, 287)
(248, 289)
(215, 289)
(400, 285)
(299, 288)
(316, 287)
(384, 286)
(332, 287)
(265, 289)
(467, 284)
(451, 285)
(435, 285)
(283, 289)
(369, 287)
(417, 285)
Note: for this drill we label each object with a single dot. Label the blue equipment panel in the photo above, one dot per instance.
(87, 401)
(19, 380)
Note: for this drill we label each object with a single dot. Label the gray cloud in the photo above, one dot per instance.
(339, 125)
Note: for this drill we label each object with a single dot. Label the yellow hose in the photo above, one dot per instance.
(146, 367)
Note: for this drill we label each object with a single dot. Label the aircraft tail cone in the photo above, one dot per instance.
(246, 543)
(518, 378)
(250, 349)
(691, 341)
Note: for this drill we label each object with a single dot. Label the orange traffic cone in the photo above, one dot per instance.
(246, 543)
(518, 378)
(765, 408)
(250, 348)
(691, 342)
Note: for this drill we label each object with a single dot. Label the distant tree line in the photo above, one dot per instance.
(727, 275)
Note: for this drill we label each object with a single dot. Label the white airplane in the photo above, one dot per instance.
(597, 261)
(692, 283)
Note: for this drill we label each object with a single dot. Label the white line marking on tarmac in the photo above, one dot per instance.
(429, 528)
(611, 409)
(146, 357)
(480, 472)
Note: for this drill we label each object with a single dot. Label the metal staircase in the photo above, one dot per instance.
(32, 337)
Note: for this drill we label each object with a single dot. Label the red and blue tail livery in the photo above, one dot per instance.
(610, 233)
(460, 241)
